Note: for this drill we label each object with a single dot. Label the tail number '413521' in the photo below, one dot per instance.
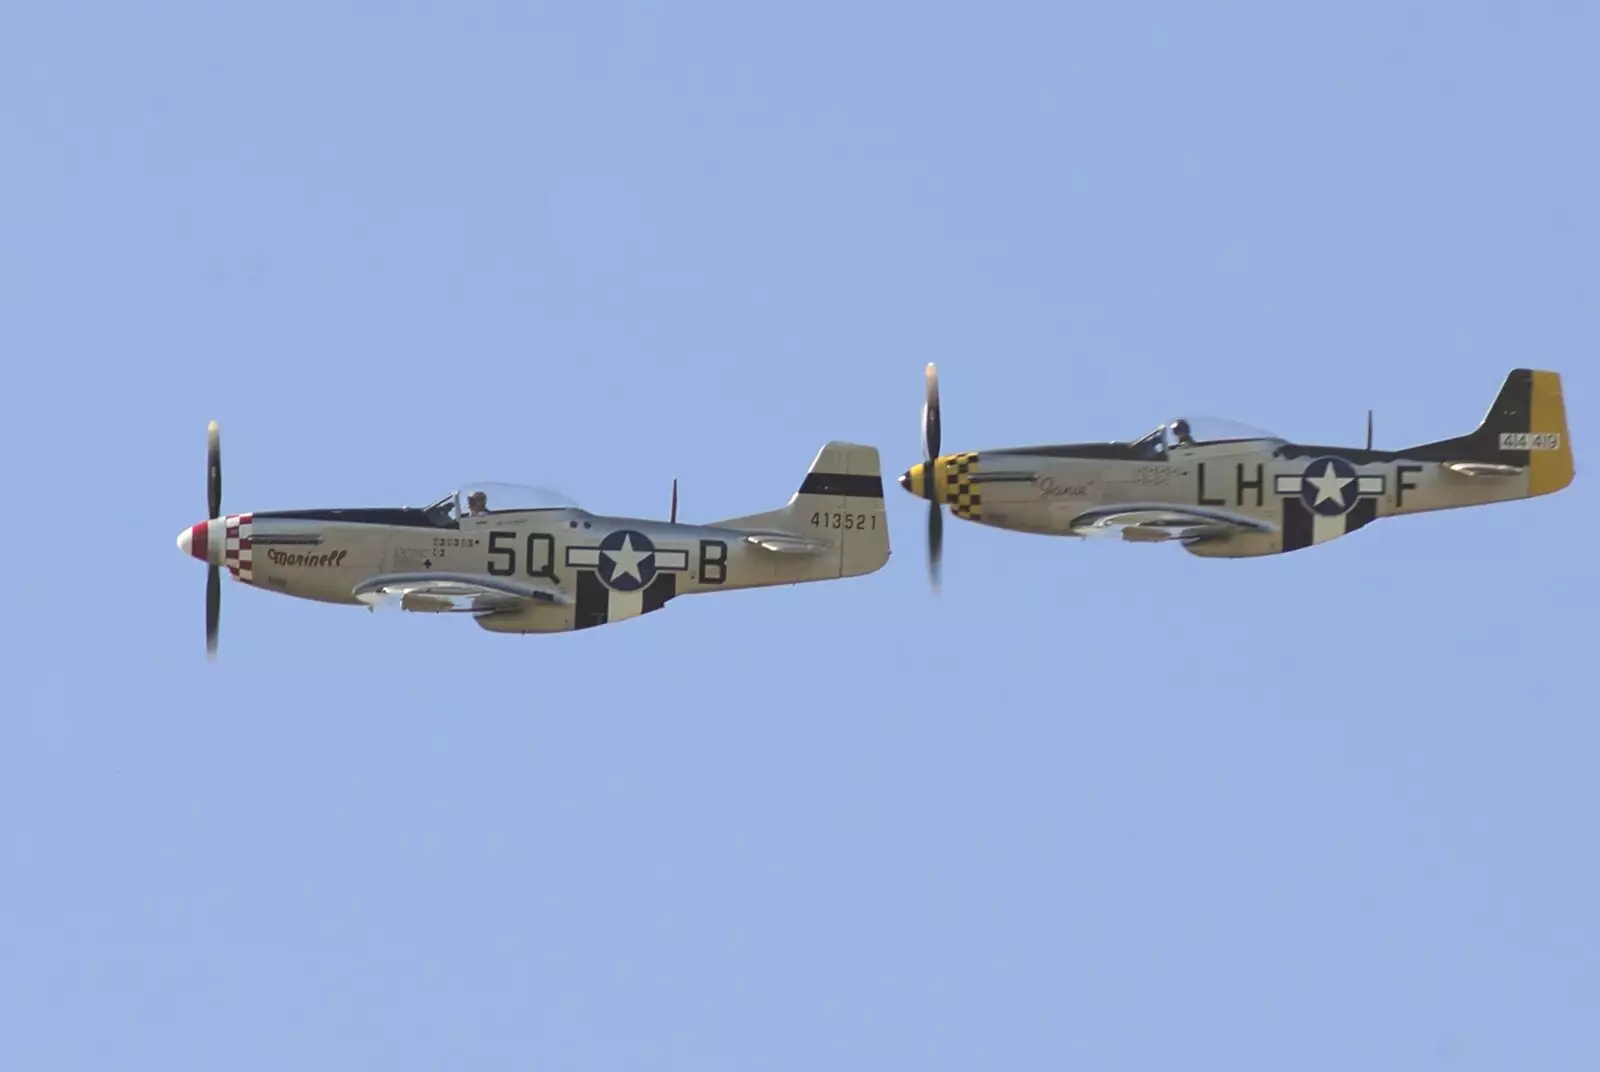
(843, 520)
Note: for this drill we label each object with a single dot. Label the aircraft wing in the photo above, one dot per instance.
(1164, 521)
(467, 593)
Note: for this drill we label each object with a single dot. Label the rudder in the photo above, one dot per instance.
(1550, 465)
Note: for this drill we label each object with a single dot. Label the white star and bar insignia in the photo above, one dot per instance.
(1329, 486)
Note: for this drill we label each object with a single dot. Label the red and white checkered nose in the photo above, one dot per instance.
(197, 542)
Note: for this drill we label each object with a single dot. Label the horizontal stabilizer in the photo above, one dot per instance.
(787, 543)
(1466, 468)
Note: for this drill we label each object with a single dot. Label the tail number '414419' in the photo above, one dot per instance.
(1530, 440)
(843, 520)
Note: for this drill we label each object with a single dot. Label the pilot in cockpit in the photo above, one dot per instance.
(477, 503)
(1180, 433)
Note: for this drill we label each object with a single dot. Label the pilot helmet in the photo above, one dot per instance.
(478, 499)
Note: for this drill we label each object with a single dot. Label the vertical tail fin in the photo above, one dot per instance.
(840, 501)
(841, 498)
(1526, 426)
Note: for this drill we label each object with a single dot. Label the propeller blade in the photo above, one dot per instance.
(931, 435)
(213, 609)
(214, 469)
(930, 416)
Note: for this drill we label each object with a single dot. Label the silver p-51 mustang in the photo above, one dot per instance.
(1230, 491)
(525, 560)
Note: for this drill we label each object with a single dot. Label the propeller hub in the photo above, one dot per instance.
(914, 480)
(927, 481)
(196, 541)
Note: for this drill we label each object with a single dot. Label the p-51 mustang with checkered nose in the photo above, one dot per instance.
(1229, 491)
(526, 560)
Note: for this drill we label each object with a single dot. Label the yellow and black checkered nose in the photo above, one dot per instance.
(951, 484)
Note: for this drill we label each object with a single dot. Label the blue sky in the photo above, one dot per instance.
(1107, 807)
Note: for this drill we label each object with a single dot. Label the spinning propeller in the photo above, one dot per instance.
(214, 501)
(930, 455)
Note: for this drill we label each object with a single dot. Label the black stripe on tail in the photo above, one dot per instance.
(851, 487)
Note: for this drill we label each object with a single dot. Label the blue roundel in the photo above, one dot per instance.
(627, 560)
(1328, 486)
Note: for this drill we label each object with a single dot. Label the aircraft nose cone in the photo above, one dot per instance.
(912, 479)
(195, 542)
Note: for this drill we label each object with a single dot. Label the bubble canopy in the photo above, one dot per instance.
(1204, 429)
(1182, 432)
(493, 497)
(1207, 429)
